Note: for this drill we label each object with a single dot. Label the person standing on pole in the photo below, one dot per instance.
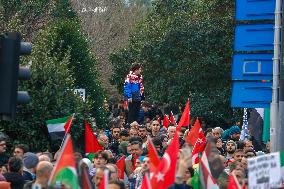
(134, 92)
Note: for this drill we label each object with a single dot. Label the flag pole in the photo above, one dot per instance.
(66, 133)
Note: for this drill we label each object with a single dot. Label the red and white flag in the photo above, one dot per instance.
(172, 119)
(198, 147)
(164, 175)
(185, 118)
(120, 165)
(153, 156)
(166, 121)
(233, 182)
(146, 182)
(104, 181)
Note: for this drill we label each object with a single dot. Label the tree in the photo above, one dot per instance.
(107, 24)
(186, 49)
(61, 62)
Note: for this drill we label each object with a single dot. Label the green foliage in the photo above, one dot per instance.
(68, 37)
(185, 48)
(61, 62)
(51, 97)
(63, 10)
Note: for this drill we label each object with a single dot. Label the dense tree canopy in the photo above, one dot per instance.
(61, 61)
(185, 48)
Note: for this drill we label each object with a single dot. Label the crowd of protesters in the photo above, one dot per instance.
(24, 168)
(130, 128)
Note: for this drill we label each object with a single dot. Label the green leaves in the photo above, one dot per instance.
(61, 61)
(184, 48)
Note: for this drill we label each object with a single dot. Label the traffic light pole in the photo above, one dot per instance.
(276, 107)
(11, 50)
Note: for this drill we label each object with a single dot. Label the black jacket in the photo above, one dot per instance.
(16, 179)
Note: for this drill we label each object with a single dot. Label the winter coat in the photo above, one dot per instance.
(16, 179)
(133, 87)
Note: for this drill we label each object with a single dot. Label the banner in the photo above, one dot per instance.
(264, 171)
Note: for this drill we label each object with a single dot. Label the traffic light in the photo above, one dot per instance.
(11, 48)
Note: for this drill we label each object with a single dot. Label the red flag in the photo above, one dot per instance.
(91, 143)
(233, 182)
(211, 165)
(208, 180)
(145, 182)
(193, 135)
(153, 156)
(86, 182)
(68, 124)
(65, 165)
(120, 165)
(125, 105)
(172, 119)
(159, 120)
(104, 181)
(185, 118)
(164, 175)
(166, 121)
(134, 158)
(198, 147)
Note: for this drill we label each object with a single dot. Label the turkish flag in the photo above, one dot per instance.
(145, 182)
(166, 121)
(185, 118)
(164, 175)
(172, 119)
(193, 134)
(153, 156)
(198, 147)
(120, 165)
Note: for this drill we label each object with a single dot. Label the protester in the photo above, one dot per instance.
(14, 174)
(43, 171)
(20, 150)
(116, 185)
(3, 156)
(30, 161)
(134, 92)
(226, 155)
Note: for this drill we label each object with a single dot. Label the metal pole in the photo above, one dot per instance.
(281, 87)
(274, 113)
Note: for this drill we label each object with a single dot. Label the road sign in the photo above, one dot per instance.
(252, 67)
(254, 37)
(255, 9)
(251, 94)
(81, 93)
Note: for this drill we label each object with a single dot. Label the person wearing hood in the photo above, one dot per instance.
(235, 133)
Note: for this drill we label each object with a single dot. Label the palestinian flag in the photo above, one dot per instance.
(58, 127)
(64, 171)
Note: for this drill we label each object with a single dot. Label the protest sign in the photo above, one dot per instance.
(264, 171)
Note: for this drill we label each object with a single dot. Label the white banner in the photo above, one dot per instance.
(264, 171)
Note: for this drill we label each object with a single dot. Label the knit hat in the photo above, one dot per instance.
(231, 141)
(30, 160)
(226, 134)
(234, 129)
